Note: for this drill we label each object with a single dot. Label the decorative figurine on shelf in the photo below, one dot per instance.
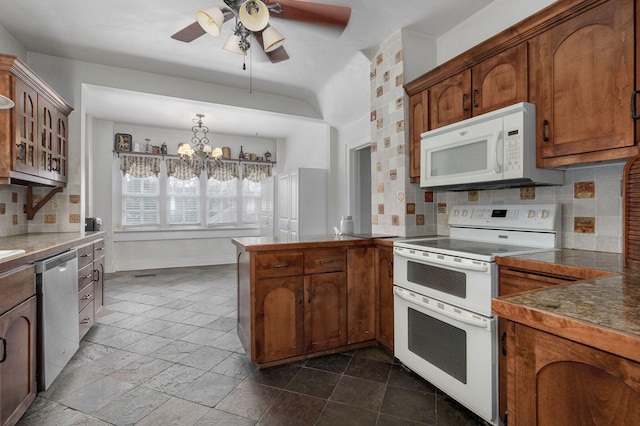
(163, 148)
(241, 156)
(267, 156)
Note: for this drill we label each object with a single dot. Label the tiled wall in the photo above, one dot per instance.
(60, 214)
(398, 207)
(591, 197)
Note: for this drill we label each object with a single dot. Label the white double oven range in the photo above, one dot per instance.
(443, 286)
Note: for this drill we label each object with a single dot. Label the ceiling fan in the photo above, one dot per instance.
(252, 19)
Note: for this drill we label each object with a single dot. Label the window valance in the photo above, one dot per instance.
(183, 170)
(140, 166)
(256, 172)
(222, 171)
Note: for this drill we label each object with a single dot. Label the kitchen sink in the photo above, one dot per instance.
(9, 253)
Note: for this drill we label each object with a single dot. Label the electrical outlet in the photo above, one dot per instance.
(54, 204)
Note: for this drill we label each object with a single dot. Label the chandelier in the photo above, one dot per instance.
(199, 150)
(250, 16)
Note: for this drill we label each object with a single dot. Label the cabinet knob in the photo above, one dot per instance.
(86, 297)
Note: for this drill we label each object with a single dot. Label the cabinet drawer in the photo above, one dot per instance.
(276, 264)
(16, 286)
(85, 255)
(85, 276)
(86, 318)
(322, 261)
(85, 296)
(98, 249)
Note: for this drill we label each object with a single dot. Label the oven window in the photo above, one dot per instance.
(444, 280)
(438, 343)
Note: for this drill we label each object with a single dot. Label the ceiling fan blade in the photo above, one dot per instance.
(314, 13)
(189, 33)
(276, 55)
(194, 30)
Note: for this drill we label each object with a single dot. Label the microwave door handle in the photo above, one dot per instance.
(442, 262)
(499, 153)
(417, 301)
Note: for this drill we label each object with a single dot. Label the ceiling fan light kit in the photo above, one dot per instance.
(272, 39)
(252, 19)
(254, 15)
(210, 20)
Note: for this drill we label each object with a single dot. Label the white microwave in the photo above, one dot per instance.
(492, 150)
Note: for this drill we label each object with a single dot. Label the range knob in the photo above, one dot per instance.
(544, 214)
(531, 214)
(464, 213)
(456, 212)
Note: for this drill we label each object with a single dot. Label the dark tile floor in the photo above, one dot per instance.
(165, 352)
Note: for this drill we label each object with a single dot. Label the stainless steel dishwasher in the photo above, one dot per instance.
(58, 328)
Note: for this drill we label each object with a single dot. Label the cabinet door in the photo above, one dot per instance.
(279, 318)
(418, 124)
(294, 218)
(500, 81)
(384, 275)
(325, 311)
(361, 296)
(560, 382)
(60, 147)
(25, 149)
(450, 100)
(17, 361)
(98, 284)
(582, 79)
(47, 159)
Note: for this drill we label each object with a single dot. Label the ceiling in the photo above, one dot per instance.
(135, 34)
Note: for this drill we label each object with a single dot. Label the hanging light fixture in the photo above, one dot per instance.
(200, 148)
(6, 103)
(251, 16)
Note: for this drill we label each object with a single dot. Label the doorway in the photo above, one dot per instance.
(360, 188)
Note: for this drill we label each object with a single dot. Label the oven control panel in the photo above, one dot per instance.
(508, 216)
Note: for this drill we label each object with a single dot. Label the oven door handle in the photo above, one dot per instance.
(483, 267)
(404, 294)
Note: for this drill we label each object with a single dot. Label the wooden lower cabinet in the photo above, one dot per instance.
(279, 318)
(293, 304)
(18, 319)
(561, 382)
(512, 280)
(325, 311)
(90, 283)
(384, 296)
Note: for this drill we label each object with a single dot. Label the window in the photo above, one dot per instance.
(183, 204)
(140, 200)
(225, 198)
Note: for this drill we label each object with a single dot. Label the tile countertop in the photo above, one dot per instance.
(42, 245)
(602, 312)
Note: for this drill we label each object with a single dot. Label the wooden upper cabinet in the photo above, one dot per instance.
(418, 124)
(24, 150)
(582, 77)
(500, 81)
(34, 134)
(450, 100)
(496, 82)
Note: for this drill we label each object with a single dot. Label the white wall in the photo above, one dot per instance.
(494, 18)
(9, 45)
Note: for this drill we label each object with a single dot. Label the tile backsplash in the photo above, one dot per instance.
(60, 214)
(591, 206)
